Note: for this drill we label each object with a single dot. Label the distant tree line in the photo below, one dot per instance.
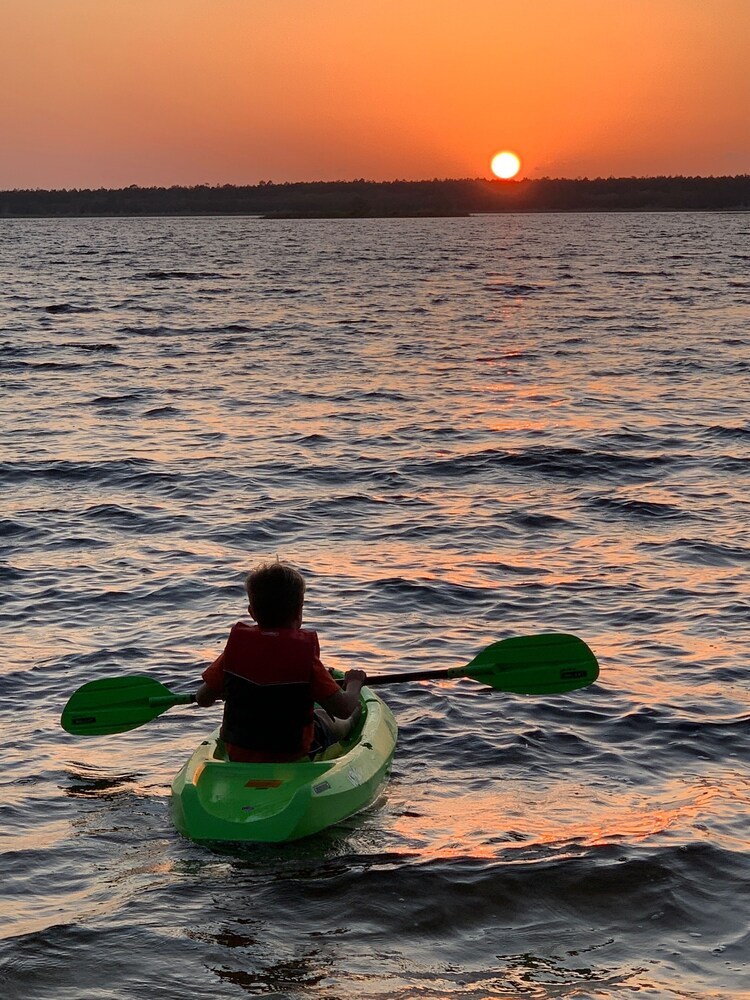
(363, 199)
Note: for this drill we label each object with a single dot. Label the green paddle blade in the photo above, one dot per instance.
(550, 663)
(117, 704)
(523, 664)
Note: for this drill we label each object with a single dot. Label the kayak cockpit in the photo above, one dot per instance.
(214, 798)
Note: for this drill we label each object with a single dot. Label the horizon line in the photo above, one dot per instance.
(495, 181)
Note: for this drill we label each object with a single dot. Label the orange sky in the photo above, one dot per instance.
(116, 92)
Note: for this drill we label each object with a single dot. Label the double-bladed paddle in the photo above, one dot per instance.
(551, 663)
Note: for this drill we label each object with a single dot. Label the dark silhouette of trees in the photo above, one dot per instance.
(363, 199)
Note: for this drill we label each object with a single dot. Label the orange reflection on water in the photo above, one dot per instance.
(490, 824)
(644, 823)
(550, 394)
(498, 387)
(511, 424)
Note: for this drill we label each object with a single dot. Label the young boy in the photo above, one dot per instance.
(270, 677)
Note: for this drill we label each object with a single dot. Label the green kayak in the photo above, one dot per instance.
(215, 799)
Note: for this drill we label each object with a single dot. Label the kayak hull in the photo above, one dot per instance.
(215, 799)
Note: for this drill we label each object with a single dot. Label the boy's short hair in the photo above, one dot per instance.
(276, 592)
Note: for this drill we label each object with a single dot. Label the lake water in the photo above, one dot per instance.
(459, 430)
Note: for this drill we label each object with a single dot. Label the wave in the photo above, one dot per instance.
(128, 473)
(513, 289)
(727, 433)
(701, 551)
(43, 366)
(562, 463)
(62, 308)
(163, 275)
(640, 509)
(104, 348)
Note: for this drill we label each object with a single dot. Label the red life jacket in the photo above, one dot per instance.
(269, 703)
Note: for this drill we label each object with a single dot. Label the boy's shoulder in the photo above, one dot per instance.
(302, 634)
(251, 640)
(244, 627)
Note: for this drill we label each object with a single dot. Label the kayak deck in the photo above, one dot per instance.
(215, 799)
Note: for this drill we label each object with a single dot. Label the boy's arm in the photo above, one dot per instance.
(342, 704)
(212, 687)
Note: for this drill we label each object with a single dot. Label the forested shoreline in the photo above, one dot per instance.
(385, 199)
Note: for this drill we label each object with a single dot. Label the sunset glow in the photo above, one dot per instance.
(190, 91)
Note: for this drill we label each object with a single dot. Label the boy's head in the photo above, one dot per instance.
(276, 593)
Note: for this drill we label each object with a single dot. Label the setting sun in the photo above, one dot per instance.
(505, 165)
